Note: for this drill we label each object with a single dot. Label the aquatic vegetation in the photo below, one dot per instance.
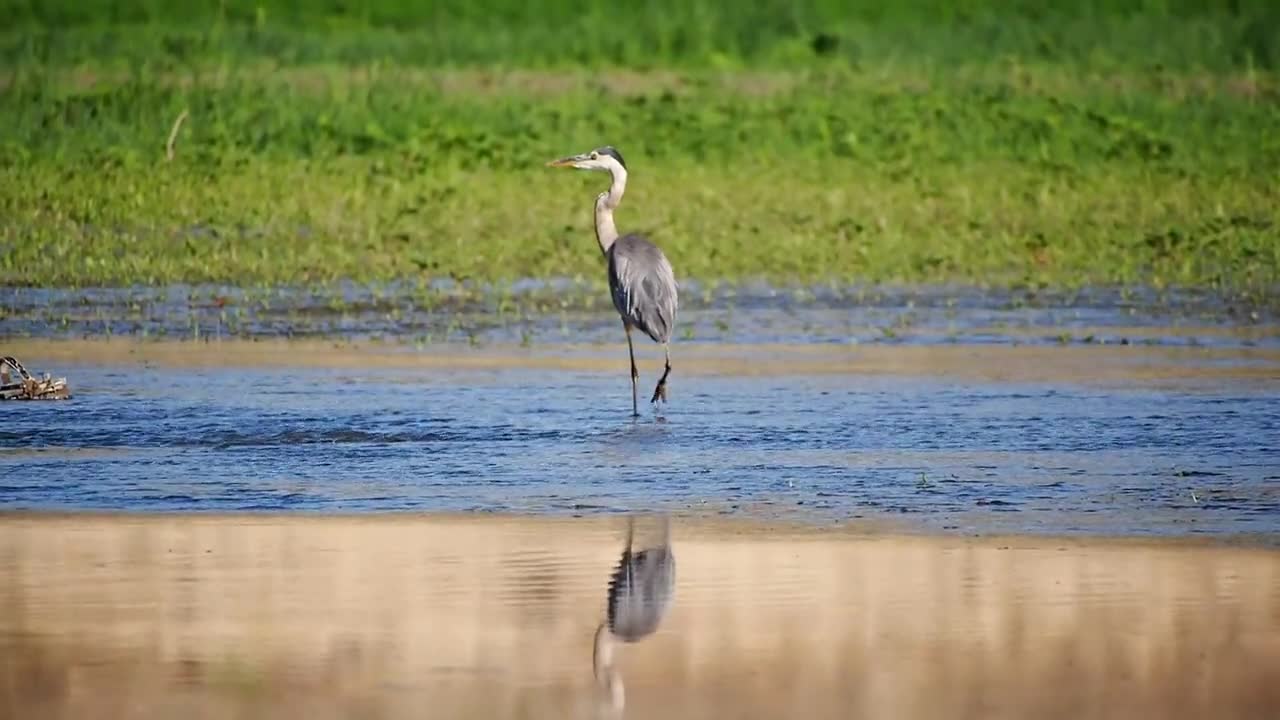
(802, 144)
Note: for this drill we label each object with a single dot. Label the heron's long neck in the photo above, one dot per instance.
(607, 676)
(606, 230)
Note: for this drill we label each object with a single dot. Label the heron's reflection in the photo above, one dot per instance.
(640, 591)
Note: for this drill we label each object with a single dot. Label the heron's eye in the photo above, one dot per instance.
(595, 155)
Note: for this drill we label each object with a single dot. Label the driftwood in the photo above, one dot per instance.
(18, 384)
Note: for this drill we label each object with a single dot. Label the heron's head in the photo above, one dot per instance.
(604, 158)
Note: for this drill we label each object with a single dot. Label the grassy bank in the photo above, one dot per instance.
(802, 143)
(1216, 35)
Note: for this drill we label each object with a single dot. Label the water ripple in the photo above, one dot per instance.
(944, 454)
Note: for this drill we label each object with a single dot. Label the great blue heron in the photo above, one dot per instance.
(641, 280)
(640, 593)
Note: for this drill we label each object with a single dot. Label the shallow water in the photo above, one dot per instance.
(962, 438)
(560, 311)
(494, 617)
(877, 436)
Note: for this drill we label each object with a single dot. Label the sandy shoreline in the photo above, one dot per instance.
(1090, 364)
(709, 524)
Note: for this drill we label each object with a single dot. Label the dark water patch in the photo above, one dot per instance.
(560, 310)
(227, 440)
(168, 498)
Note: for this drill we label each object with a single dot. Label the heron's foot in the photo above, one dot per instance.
(660, 392)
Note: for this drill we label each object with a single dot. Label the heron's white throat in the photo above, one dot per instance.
(606, 203)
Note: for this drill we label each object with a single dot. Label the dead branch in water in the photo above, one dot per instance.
(173, 135)
(18, 384)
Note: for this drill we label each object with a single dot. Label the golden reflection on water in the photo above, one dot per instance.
(484, 617)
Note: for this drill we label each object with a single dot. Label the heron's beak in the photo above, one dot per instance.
(570, 161)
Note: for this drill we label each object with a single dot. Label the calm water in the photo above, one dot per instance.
(496, 617)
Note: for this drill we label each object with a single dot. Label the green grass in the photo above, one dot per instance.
(1185, 34)
(1134, 142)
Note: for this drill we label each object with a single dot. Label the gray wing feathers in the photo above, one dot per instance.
(643, 286)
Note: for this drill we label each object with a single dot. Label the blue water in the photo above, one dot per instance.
(940, 454)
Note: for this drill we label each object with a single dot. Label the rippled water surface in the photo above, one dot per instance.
(1120, 440)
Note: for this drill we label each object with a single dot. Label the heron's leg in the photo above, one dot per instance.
(661, 390)
(635, 374)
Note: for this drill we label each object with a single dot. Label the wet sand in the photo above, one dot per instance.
(1088, 364)
(398, 616)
